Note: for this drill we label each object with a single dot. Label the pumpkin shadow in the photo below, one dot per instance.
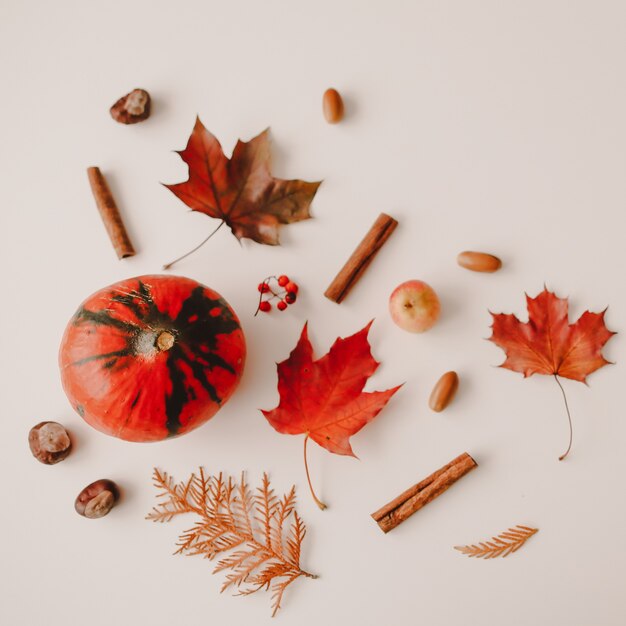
(80, 441)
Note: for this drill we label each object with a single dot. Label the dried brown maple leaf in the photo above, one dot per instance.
(258, 535)
(324, 399)
(240, 191)
(502, 545)
(548, 344)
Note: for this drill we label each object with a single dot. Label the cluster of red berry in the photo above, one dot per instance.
(286, 292)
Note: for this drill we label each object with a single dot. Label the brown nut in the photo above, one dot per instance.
(479, 261)
(333, 106)
(443, 392)
(97, 499)
(49, 442)
(132, 108)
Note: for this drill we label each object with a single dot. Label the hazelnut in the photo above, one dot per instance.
(49, 442)
(97, 499)
(332, 104)
(132, 108)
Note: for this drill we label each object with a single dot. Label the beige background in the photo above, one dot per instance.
(485, 125)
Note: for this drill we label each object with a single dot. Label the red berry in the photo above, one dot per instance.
(265, 306)
(282, 305)
(290, 297)
(263, 287)
(291, 287)
(283, 280)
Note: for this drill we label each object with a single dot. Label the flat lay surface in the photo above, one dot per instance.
(489, 126)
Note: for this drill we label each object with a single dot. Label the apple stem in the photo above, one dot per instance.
(180, 258)
(308, 477)
(569, 418)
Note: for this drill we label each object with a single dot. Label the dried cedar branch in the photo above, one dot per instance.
(257, 536)
(502, 545)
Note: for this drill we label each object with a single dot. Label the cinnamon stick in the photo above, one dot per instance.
(361, 258)
(110, 213)
(414, 498)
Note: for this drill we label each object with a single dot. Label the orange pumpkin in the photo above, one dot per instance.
(151, 357)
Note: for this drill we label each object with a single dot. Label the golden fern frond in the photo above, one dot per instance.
(277, 593)
(296, 535)
(242, 573)
(243, 504)
(184, 489)
(504, 544)
(265, 505)
(236, 559)
(190, 537)
(176, 495)
(284, 509)
(164, 483)
(264, 577)
(165, 511)
(250, 530)
(199, 490)
(225, 543)
(206, 541)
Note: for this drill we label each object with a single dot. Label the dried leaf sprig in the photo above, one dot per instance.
(502, 545)
(257, 534)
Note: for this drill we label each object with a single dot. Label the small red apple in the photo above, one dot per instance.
(414, 306)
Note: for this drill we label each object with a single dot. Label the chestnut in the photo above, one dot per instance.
(49, 442)
(97, 499)
(132, 108)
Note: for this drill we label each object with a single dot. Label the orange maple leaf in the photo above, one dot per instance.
(240, 191)
(324, 399)
(548, 344)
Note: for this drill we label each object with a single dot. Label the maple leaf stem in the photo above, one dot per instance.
(569, 417)
(308, 477)
(180, 258)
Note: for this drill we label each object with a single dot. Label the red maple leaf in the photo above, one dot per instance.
(240, 191)
(548, 344)
(324, 399)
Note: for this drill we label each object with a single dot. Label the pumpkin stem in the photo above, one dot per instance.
(569, 417)
(165, 340)
(180, 258)
(306, 467)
